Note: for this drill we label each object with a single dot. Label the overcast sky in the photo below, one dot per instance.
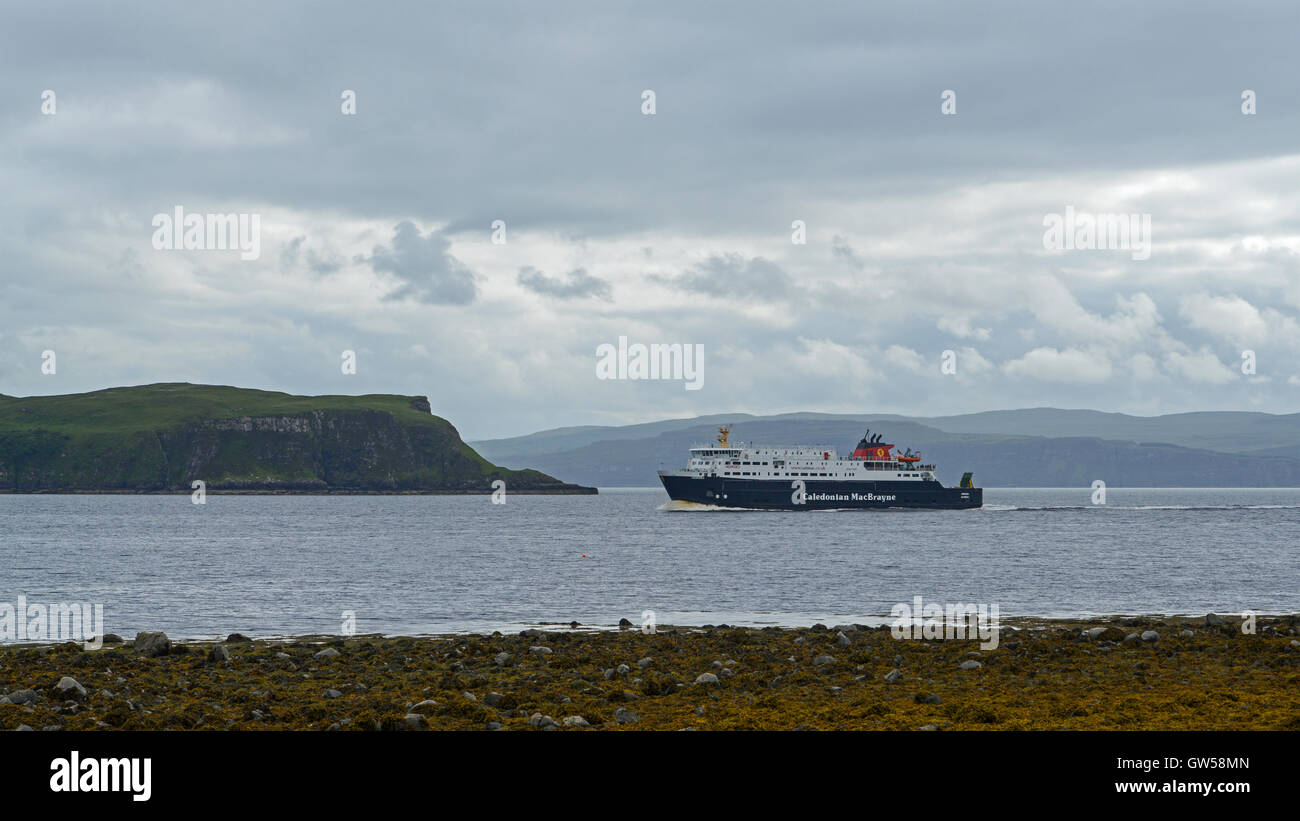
(925, 230)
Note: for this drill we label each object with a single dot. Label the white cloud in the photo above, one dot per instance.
(971, 363)
(1228, 317)
(1069, 365)
(960, 326)
(1200, 367)
(901, 358)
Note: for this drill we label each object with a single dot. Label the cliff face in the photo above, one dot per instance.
(303, 444)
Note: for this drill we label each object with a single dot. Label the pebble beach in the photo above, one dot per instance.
(1130, 673)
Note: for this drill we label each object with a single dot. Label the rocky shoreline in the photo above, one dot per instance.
(1131, 673)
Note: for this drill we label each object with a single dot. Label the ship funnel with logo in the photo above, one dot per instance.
(872, 449)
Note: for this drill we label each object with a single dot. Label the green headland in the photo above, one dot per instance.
(161, 438)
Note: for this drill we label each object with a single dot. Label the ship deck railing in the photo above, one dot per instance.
(919, 468)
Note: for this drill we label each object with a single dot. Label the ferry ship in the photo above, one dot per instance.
(800, 478)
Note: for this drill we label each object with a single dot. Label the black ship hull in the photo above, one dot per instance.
(819, 494)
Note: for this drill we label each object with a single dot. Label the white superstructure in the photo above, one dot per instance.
(761, 462)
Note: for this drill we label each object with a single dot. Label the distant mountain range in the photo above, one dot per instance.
(160, 438)
(1033, 447)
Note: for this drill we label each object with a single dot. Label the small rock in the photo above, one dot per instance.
(332, 693)
(1187, 634)
(68, 688)
(327, 653)
(153, 644)
(843, 640)
(893, 675)
(23, 728)
(625, 716)
(415, 721)
(1132, 637)
(706, 678)
(622, 669)
(424, 707)
(503, 658)
(539, 650)
(541, 722)
(1214, 620)
(576, 721)
(1109, 633)
(493, 699)
(969, 664)
(112, 638)
(219, 653)
(236, 638)
(822, 660)
(645, 662)
(929, 727)
(493, 725)
(24, 697)
(1150, 635)
(932, 698)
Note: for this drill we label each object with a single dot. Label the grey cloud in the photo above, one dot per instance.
(764, 107)
(317, 262)
(577, 284)
(492, 111)
(840, 249)
(732, 274)
(428, 273)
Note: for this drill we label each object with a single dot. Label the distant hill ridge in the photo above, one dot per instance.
(161, 437)
(1036, 447)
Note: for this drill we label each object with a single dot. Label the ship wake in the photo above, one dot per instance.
(676, 505)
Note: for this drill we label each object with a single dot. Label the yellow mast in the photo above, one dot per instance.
(722, 436)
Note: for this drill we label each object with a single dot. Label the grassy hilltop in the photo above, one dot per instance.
(160, 438)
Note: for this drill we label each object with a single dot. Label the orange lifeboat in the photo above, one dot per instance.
(909, 457)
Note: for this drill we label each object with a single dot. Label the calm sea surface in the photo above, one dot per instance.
(280, 565)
